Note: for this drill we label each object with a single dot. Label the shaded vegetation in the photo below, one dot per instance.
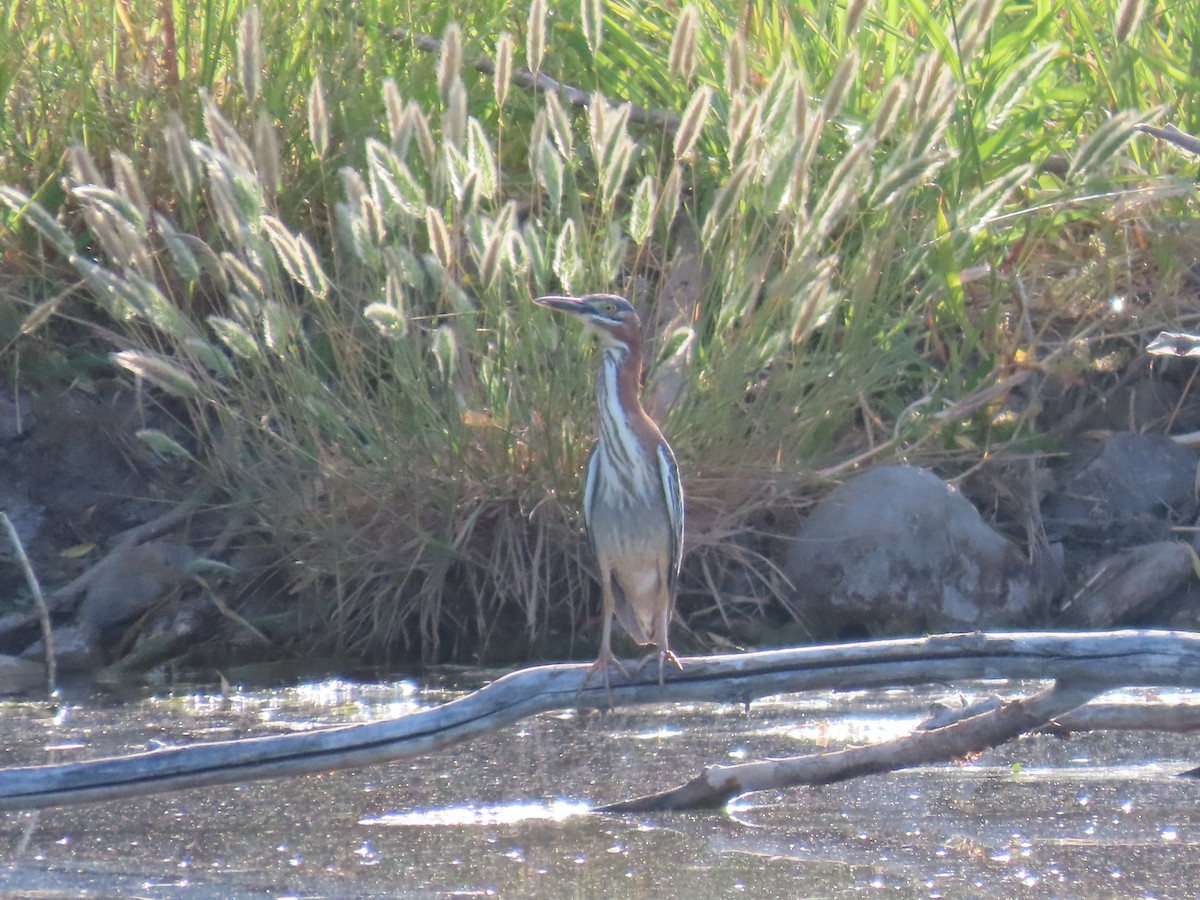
(320, 240)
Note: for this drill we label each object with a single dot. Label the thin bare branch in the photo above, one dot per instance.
(540, 81)
(1172, 135)
(43, 611)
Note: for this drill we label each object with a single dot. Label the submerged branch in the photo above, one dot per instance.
(717, 785)
(1090, 662)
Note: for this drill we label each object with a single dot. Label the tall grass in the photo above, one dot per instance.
(324, 239)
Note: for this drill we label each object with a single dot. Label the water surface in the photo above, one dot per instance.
(1096, 815)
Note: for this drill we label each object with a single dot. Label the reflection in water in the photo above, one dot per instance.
(508, 815)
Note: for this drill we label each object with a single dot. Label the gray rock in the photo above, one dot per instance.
(899, 551)
(76, 648)
(1134, 489)
(130, 580)
(17, 676)
(1147, 402)
(1138, 586)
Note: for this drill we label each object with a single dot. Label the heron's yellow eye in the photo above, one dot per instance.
(610, 307)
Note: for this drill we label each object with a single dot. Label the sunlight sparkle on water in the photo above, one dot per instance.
(336, 699)
(854, 729)
(506, 814)
(655, 734)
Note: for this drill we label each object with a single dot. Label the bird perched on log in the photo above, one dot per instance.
(632, 498)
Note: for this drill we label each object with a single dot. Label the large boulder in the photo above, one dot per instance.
(899, 551)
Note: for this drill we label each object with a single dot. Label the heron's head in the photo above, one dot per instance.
(610, 316)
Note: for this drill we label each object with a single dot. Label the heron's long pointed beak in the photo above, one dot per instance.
(559, 302)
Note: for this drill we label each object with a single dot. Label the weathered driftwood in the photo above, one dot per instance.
(949, 735)
(1086, 663)
(1139, 715)
(1144, 716)
(717, 785)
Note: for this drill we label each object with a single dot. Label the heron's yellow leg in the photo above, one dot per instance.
(606, 657)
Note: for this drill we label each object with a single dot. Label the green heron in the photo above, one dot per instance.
(632, 497)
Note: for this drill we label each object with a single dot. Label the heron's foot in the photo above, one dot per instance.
(602, 664)
(662, 655)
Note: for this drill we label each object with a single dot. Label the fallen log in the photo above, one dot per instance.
(1083, 664)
